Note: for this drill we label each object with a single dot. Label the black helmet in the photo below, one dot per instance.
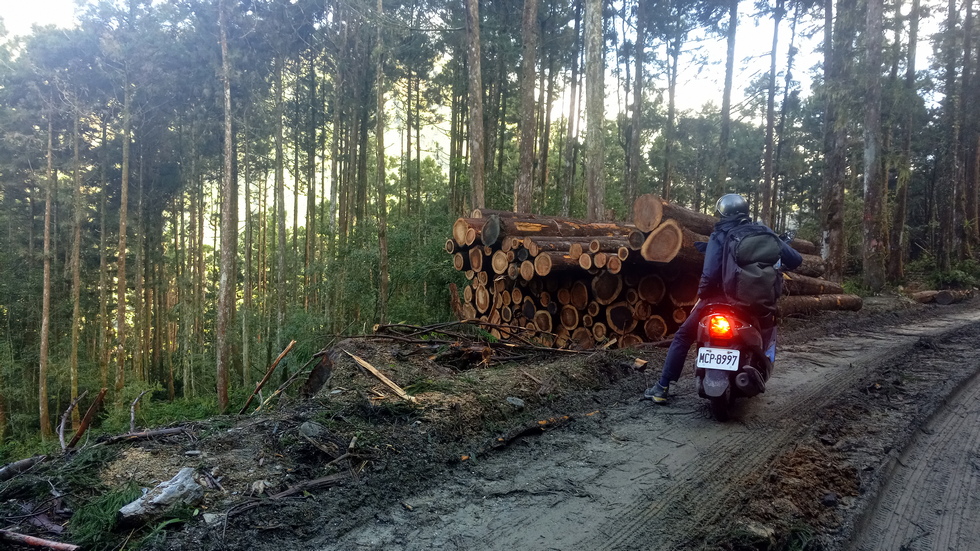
(731, 204)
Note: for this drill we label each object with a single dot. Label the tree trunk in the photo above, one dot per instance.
(673, 55)
(595, 96)
(721, 179)
(875, 229)
(473, 56)
(766, 212)
(836, 50)
(380, 174)
(571, 134)
(523, 187)
(633, 155)
(76, 269)
(229, 231)
(43, 417)
(896, 243)
(948, 158)
(121, 251)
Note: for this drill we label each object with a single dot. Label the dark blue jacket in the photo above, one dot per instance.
(711, 286)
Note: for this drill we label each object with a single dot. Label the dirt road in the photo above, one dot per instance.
(826, 456)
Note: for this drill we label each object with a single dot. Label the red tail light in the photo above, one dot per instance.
(719, 327)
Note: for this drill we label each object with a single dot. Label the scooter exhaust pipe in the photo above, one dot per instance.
(750, 381)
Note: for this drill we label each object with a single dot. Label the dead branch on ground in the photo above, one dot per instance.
(87, 420)
(7, 535)
(268, 374)
(64, 420)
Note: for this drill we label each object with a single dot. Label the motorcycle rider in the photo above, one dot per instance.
(734, 211)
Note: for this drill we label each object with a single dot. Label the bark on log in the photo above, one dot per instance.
(87, 419)
(803, 304)
(538, 245)
(464, 226)
(797, 284)
(949, 296)
(609, 245)
(673, 242)
(14, 537)
(546, 262)
(812, 266)
(13, 469)
(925, 297)
(563, 227)
(606, 288)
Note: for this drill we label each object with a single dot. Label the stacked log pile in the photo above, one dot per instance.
(575, 284)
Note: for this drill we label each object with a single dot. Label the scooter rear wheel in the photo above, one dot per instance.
(720, 406)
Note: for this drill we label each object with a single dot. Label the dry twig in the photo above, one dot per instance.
(64, 420)
(132, 412)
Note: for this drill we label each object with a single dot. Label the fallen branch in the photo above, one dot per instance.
(17, 467)
(87, 420)
(7, 535)
(142, 435)
(268, 374)
(381, 377)
(132, 412)
(64, 420)
(316, 483)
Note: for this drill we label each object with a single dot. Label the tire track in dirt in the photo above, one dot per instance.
(931, 496)
(638, 476)
(799, 388)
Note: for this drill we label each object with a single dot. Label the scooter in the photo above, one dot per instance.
(733, 359)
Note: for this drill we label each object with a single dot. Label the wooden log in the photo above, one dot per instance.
(925, 297)
(651, 289)
(632, 296)
(17, 467)
(481, 298)
(469, 312)
(461, 262)
(476, 259)
(528, 308)
(564, 296)
(672, 242)
(950, 296)
(606, 288)
(514, 270)
(510, 243)
(803, 304)
(635, 239)
(648, 211)
(587, 321)
(527, 270)
(265, 379)
(451, 246)
(679, 315)
(546, 262)
(614, 265)
(543, 321)
(575, 250)
(684, 291)
(21, 539)
(812, 266)
(467, 230)
(562, 337)
(582, 339)
(499, 263)
(482, 278)
(655, 328)
(517, 296)
(585, 261)
(629, 340)
(600, 331)
(506, 314)
(642, 310)
(564, 227)
(538, 245)
(797, 284)
(381, 377)
(599, 260)
(593, 309)
(569, 317)
(87, 419)
(608, 245)
(579, 295)
(520, 254)
(619, 317)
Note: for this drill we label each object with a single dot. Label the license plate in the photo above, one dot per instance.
(718, 358)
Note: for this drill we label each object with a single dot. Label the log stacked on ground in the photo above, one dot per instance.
(576, 284)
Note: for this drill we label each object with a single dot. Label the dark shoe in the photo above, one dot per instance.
(657, 393)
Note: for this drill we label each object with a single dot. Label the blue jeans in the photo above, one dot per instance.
(685, 336)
